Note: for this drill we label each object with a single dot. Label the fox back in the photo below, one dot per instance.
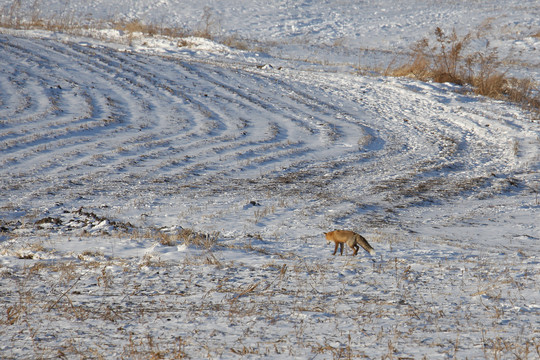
(340, 236)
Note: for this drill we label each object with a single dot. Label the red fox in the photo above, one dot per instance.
(354, 240)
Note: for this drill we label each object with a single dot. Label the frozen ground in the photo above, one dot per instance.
(168, 198)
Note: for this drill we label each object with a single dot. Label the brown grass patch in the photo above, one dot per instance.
(19, 16)
(137, 26)
(446, 60)
(188, 237)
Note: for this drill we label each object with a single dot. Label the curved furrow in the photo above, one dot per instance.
(15, 101)
(60, 99)
(252, 103)
(273, 101)
(90, 125)
(207, 129)
(445, 154)
(360, 137)
(55, 142)
(128, 100)
(209, 146)
(247, 136)
(101, 73)
(25, 100)
(302, 119)
(285, 121)
(453, 155)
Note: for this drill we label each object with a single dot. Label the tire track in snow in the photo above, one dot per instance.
(114, 92)
(445, 149)
(85, 124)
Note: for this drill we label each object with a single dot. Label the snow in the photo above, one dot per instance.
(165, 197)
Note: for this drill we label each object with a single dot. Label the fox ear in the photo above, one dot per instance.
(325, 233)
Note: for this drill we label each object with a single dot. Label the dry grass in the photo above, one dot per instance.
(29, 16)
(254, 303)
(21, 16)
(193, 238)
(188, 237)
(233, 41)
(149, 348)
(444, 60)
(136, 26)
(209, 24)
(448, 61)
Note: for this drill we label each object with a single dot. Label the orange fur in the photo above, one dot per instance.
(354, 240)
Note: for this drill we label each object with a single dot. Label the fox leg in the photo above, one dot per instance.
(341, 248)
(335, 249)
(353, 245)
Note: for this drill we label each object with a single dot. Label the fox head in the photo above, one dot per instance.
(328, 241)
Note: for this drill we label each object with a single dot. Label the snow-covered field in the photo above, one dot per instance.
(167, 198)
